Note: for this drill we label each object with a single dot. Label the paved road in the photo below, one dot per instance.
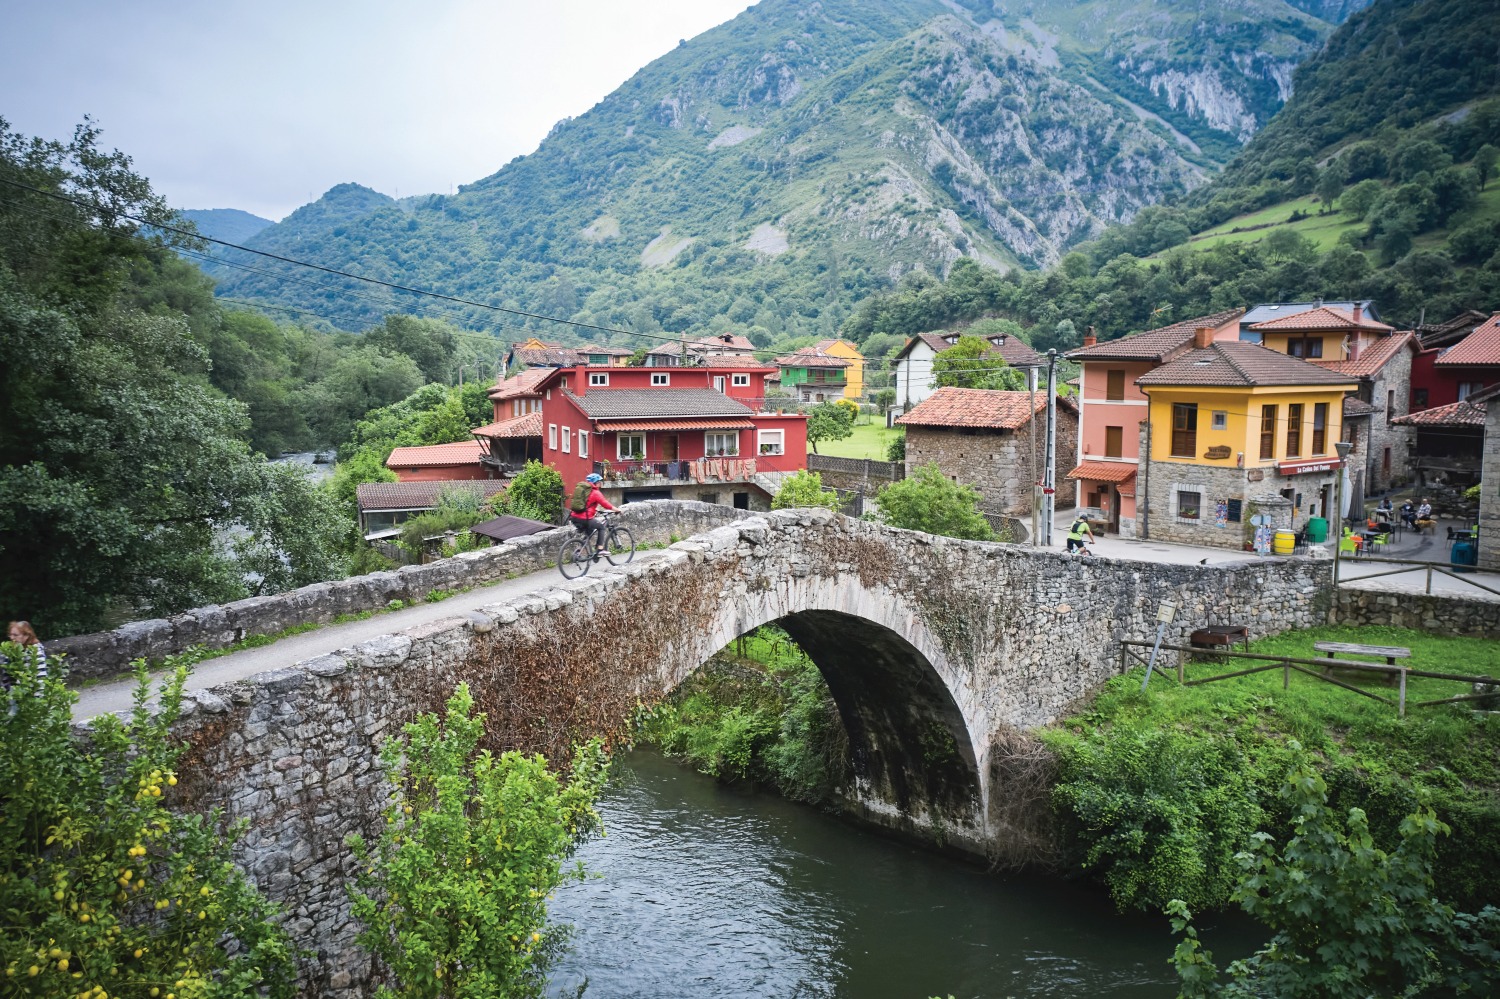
(116, 695)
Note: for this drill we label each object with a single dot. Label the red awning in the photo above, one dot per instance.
(1307, 465)
(679, 423)
(1104, 471)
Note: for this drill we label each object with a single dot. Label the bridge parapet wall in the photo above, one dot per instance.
(1009, 635)
(218, 626)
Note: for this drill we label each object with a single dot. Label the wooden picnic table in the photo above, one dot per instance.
(1390, 653)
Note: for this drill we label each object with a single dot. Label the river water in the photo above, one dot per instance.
(708, 891)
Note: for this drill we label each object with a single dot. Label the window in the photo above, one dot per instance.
(552, 436)
(1184, 429)
(1419, 398)
(583, 443)
(1385, 461)
(1306, 347)
(710, 498)
(1320, 428)
(1390, 404)
(660, 378)
(772, 441)
(1294, 430)
(1465, 389)
(598, 379)
(1221, 420)
(721, 443)
(630, 445)
(1267, 433)
(740, 381)
(1189, 505)
(567, 439)
(1114, 444)
(1115, 388)
(718, 383)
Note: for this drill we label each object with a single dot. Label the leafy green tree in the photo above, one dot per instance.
(366, 378)
(536, 493)
(1331, 184)
(453, 895)
(431, 343)
(973, 363)
(365, 465)
(1349, 920)
(1358, 200)
(926, 501)
(293, 532)
(1484, 163)
(106, 889)
(805, 489)
(895, 451)
(828, 421)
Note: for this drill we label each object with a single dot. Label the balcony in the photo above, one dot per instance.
(730, 468)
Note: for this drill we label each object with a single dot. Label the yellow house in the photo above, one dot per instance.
(854, 374)
(1238, 429)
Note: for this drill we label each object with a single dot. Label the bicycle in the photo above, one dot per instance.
(577, 553)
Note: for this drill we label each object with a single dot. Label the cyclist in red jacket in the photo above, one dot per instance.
(585, 507)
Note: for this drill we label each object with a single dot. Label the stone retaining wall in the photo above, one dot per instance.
(1472, 617)
(108, 653)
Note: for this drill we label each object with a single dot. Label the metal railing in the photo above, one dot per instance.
(725, 468)
(865, 468)
(1412, 566)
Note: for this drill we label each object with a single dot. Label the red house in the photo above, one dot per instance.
(1456, 366)
(700, 433)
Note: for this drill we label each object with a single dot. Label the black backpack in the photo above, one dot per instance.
(581, 497)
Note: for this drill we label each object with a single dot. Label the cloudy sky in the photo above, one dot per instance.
(264, 106)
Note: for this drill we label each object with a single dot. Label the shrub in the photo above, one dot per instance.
(929, 502)
(805, 489)
(102, 886)
(453, 896)
(536, 493)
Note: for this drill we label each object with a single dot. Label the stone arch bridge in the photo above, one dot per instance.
(935, 649)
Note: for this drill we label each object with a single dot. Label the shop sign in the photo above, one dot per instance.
(1303, 469)
(1218, 452)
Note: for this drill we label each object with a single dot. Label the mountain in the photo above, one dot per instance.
(228, 224)
(781, 167)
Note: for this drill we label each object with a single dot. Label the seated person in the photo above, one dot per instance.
(1384, 510)
(1408, 514)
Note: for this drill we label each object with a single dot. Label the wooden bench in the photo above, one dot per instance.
(1390, 653)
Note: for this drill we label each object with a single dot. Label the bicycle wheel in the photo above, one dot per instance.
(574, 558)
(621, 546)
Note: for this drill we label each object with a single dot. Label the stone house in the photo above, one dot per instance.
(1489, 492)
(984, 438)
(1236, 428)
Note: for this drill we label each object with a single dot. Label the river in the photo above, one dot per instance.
(708, 891)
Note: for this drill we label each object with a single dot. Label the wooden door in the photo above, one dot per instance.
(669, 447)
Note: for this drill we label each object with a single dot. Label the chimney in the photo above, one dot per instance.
(1358, 311)
(1203, 336)
(1354, 345)
(1089, 339)
(580, 383)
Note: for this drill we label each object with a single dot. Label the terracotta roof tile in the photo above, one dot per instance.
(525, 425)
(1324, 317)
(811, 359)
(1240, 364)
(417, 495)
(1373, 358)
(1355, 406)
(549, 357)
(435, 455)
(1457, 414)
(1013, 349)
(521, 384)
(1105, 471)
(1482, 347)
(1153, 345)
(986, 408)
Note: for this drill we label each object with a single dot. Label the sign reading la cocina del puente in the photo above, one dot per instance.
(934, 649)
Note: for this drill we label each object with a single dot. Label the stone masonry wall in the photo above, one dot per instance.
(1489, 491)
(215, 627)
(998, 463)
(1476, 617)
(1014, 636)
(1395, 378)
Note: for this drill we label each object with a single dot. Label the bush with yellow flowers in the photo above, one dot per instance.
(104, 890)
(453, 895)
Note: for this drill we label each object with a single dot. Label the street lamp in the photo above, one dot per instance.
(1343, 448)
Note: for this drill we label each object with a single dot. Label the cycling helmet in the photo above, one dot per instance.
(593, 477)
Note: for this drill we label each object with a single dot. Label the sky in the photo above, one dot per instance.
(264, 106)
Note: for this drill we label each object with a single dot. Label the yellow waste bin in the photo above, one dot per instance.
(1284, 543)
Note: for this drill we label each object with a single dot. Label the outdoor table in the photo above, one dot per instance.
(1390, 653)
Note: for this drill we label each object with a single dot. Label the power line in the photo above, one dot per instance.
(339, 273)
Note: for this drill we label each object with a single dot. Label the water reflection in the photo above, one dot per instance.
(708, 891)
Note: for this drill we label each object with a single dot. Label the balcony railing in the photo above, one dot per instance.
(730, 468)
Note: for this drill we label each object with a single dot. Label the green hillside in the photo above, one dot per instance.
(773, 172)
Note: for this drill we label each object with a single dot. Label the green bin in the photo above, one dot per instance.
(1317, 530)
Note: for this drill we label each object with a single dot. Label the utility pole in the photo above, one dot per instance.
(1343, 448)
(1049, 470)
(1036, 492)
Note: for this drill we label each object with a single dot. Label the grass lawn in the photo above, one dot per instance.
(870, 440)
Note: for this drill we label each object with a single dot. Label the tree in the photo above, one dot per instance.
(1331, 184)
(293, 532)
(536, 493)
(828, 422)
(1349, 920)
(453, 895)
(1358, 200)
(431, 343)
(805, 489)
(1484, 163)
(106, 889)
(926, 501)
(973, 363)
